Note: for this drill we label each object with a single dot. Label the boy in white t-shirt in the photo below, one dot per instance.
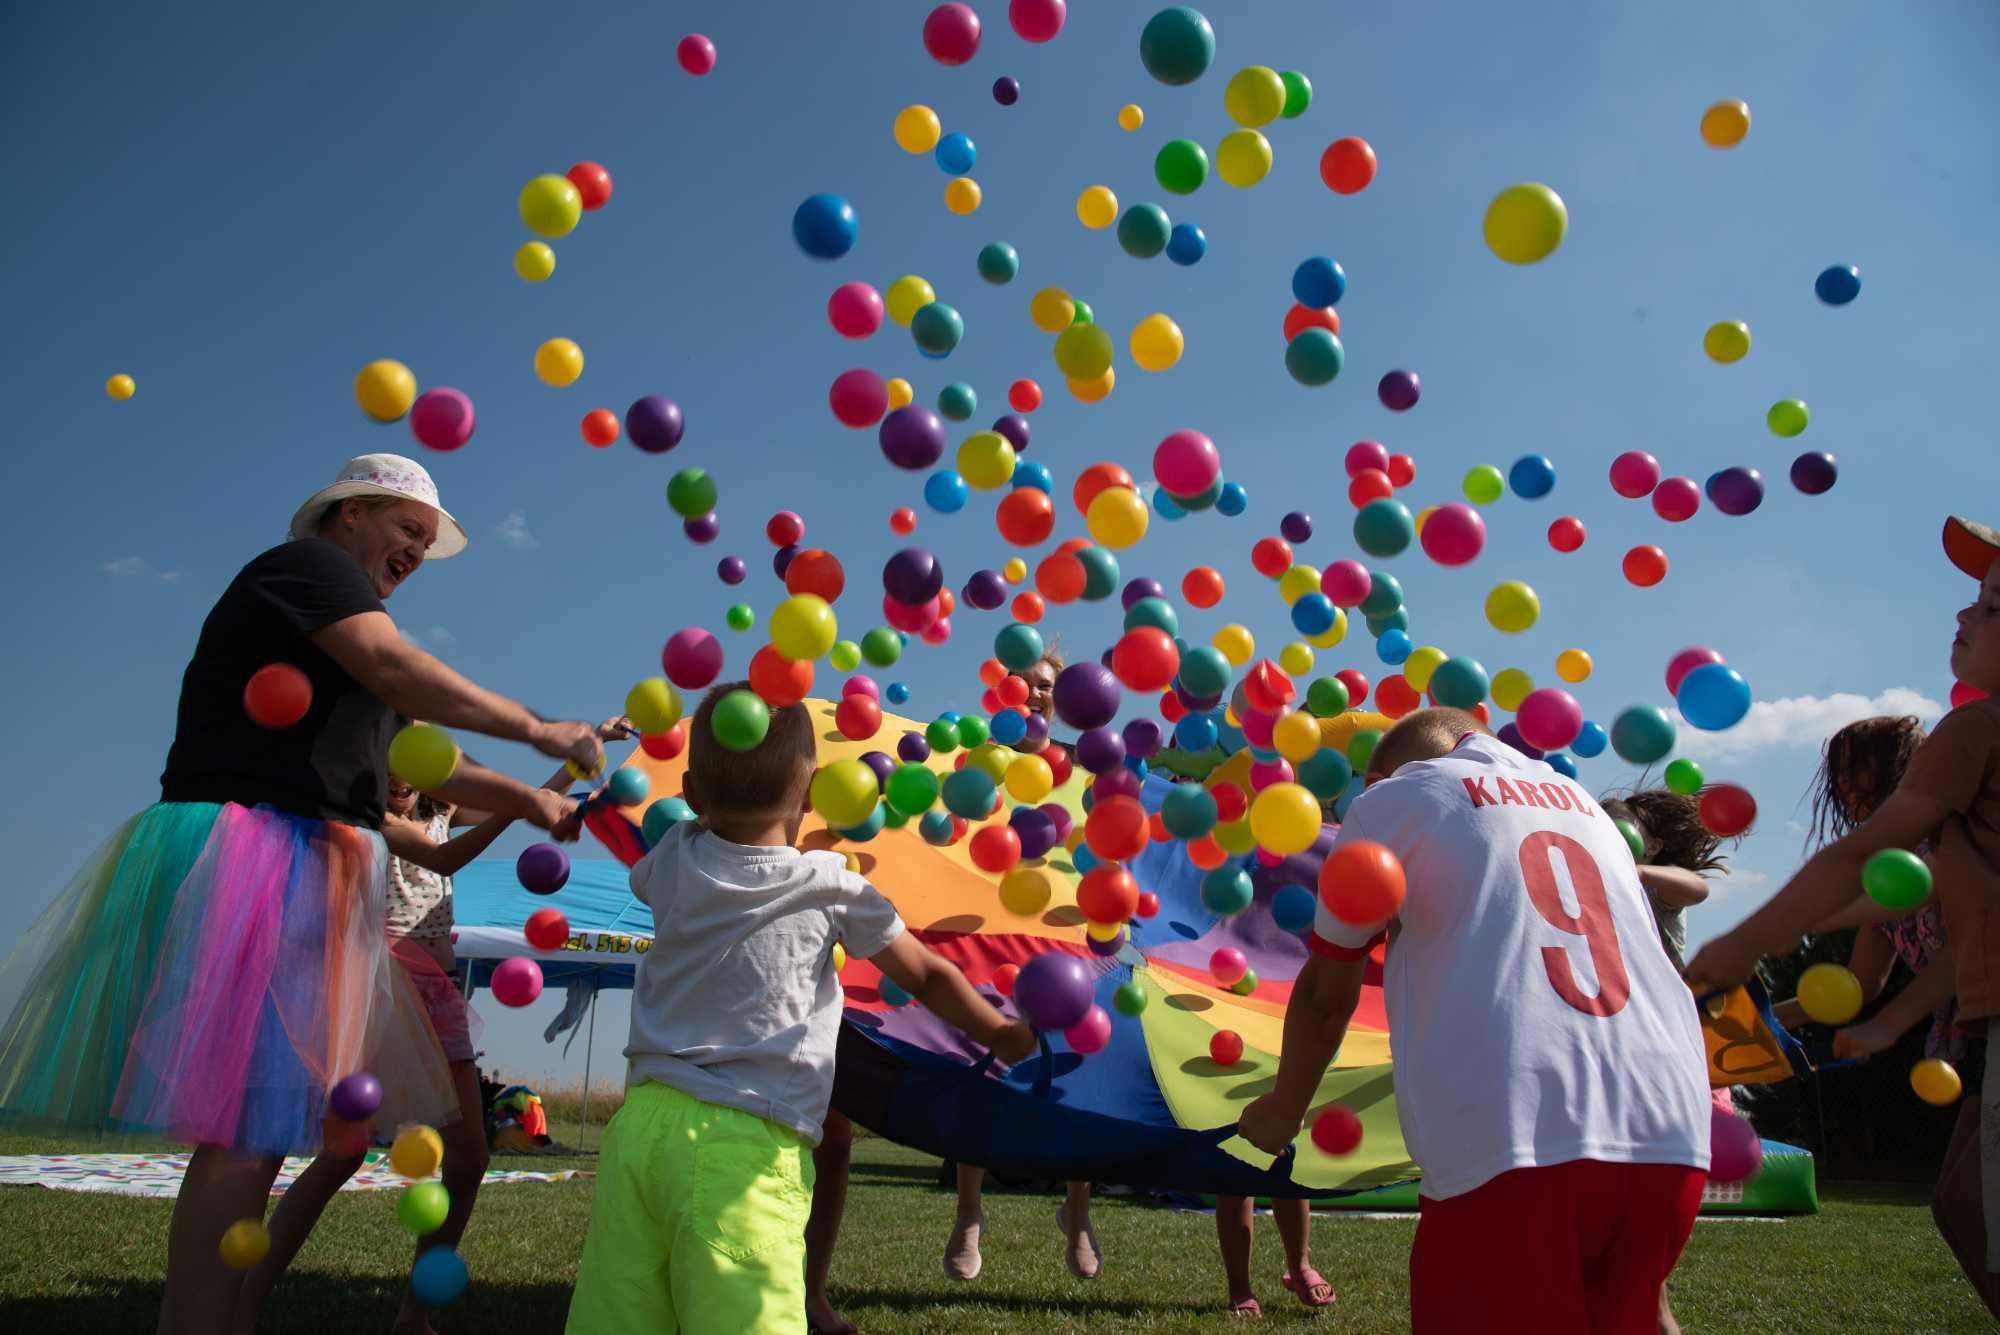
(705, 1175)
(1549, 1070)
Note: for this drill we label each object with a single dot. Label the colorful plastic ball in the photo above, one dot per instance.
(1454, 535)
(600, 428)
(1054, 990)
(1318, 281)
(1837, 284)
(1645, 565)
(955, 154)
(1684, 776)
(1735, 1152)
(516, 982)
(1483, 484)
(1385, 594)
(1460, 682)
(917, 129)
(1713, 697)
(1549, 719)
(1566, 534)
(696, 54)
(442, 419)
(1314, 357)
(1399, 390)
(1591, 740)
(627, 787)
(1814, 474)
(1006, 90)
(1686, 661)
(1936, 1082)
(1829, 994)
(593, 184)
(692, 658)
(1228, 891)
(1727, 810)
(1092, 1033)
(1735, 491)
(534, 261)
(998, 262)
(1285, 817)
(945, 492)
(691, 492)
(824, 226)
(439, 1277)
(1157, 343)
(423, 756)
(1233, 500)
(654, 424)
(1726, 341)
(962, 195)
(551, 206)
(1512, 607)
(355, 1097)
(243, 1244)
(1336, 1131)
(1186, 244)
(1725, 123)
(1531, 477)
(277, 696)
(1896, 878)
(1634, 474)
(951, 34)
(1642, 734)
(1525, 223)
(384, 389)
(1143, 231)
(1384, 527)
(1254, 96)
(912, 438)
(1181, 166)
(937, 328)
(122, 387)
(422, 1207)
(1083, 351)
(1243, 158)
(1361, 883)
(1097, 209)
(1787, 417)
(1086, 695)
(1177, 45)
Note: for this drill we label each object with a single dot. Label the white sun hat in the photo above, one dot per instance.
(383, 475)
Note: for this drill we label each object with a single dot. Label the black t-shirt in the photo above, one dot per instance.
(331, 765)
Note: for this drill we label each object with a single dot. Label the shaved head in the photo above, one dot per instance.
(1424, 734)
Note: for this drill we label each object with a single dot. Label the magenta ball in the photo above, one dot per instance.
(859, 397)
(516, 982)
(1549, 718)
(1686, 661)
(1228, 965)
(1264, 773)
(1119, 782)
(1186, 463)
(1454, 534)
(702, 528)
(910, 618)
(696, 54)
(1054, 989)
(654, 424)
(951, 34)
(1676, 499)
(1399, 391)
(1257, 727)
(937, 632)
(731, 570)
(542, 869)
(355, 1097)
(1363, 455)
(1634, 474)
(1090, 1034)
(1036, 20)
(441, 419)
(1346, 582)
(692, 658)
(860, 685)
(1086, 695)
(854, 310)
(1059, 814)
(1734, 1151)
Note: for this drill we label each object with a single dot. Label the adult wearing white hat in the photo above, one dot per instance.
(220, 963)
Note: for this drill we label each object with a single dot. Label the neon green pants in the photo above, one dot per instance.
(697, 1222)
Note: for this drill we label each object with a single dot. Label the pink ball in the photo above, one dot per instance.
(1734, 1151)
(696, 54)
(1225, 1047)
(951, 34)
(859, 397)
(1454, 534)
(1266, 858)
(1346, 582)
(854, 310)
(1337, 1130)
(1566, 534)
(860, 685)
(1549, 718)
(1257, 727)
(1634, 474)
(1961, 694)
(516, 982)
(1264, 773)
(1676, 499)
(1686, 661)
(908, 619)
(1186, 463)
(1036, 20)
(441, 419)
(1366, 454)
(1228, 965)
(937, 632)
(1090, 1034)
(692, 658)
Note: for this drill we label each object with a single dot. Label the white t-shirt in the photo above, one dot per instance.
(1533, 1018)
(737, 1002)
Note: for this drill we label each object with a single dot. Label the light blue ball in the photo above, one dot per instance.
(1713, 697)
(1393, 647)
(945, 492)
(439, 1277)
(1165, 506)
(1027, 473)
(1187, 244)
(1233, 501)
(956, 153)
(897, 693)
(1591, 741)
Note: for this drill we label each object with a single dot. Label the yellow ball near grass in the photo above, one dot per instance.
(416, 1152)
(244, 1243)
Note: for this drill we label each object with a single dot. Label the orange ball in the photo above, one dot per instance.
(1301, 318)
(991, 672)
(1206, 854)
(777, 680)
(1028, 608)
(816, 572)
(1115, 829)
(1095, 479)
(1370, 484)
(1645, 565)
(600, 427)
(1202, 586)
(1107, 894)
(1060, 577)
(1026, 517)
(1361, 883)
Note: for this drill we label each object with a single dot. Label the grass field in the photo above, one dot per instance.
(92, 1264)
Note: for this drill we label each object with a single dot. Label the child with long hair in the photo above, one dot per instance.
(1678, 854)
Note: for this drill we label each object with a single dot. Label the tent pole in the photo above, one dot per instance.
(589, 1042)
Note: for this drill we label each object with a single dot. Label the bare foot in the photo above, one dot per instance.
(411, 1320)
(822, 1319)
(1079, 1244)
(961, 1250)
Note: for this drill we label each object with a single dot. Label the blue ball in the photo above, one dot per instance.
(1008, 726)
(1165, 507)
(869, 828)
(898, 693)
(1532, 477)
(1347, 799)
(438, 1277)
(1561, 764)
(1319, 282)
(1293, 908)
(956, 153)
(825, 226)
(1591, 741)
(893, 992)
(1314, 614)
(1837, 284)
(969, 793)
(1233, 501)
(1227, 891)
(1186, 244)
(1188, 811)
(1393, 647)
(627, 786)
(1195, 732)
(1714, 696)
(945, 492)
(935, 826)
(1030, 474)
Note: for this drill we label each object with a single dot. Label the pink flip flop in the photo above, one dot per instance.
(1244, 1307)
(1305, 1283)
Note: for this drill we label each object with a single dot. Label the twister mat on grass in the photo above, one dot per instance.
(159, 1175)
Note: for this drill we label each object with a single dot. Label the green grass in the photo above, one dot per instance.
(92, 1264)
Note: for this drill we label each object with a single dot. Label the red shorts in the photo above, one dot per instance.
(1581, 1246)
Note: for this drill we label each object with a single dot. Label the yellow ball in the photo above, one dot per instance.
(535, 261)
(1103, 931)
(1421, 663)
(1512, 607)
(1131, 116)
(1254, 96)
(1525, 223)
(244, 1243)
(1236, 836)
(417, 1150)
(917, 129)
(1025, 891)
(1509, 687)
(1573, 665)
(900, 393)
(986, 460)
(1726, 341)
(1296, 658)
(992, 760)
(961, 195)
(1424, 517)
(559, 362)
(654, 705)
(1157, 342)
(844, 793)
(1829, 993)
(1724, 124)
(1097, 207)
(1243, 158)
(1296, 735)
(1333, 634)
(423, 756)
(1015, 570)
(906, 296)
(1236, 643)
(1052, 310)
(1095, 390)
(803, 628)
(1285, 817)
(122, 387)
(550, 206)
(839, 957)
(1297, 582)
(852, 861)
(1029, 779)
(1936, 1081)
(384, 389)
(1117, 518)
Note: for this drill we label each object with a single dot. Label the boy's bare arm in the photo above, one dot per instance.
(1323, 1002)
(937, 983)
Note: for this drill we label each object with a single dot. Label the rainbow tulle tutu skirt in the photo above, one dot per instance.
(208, 976)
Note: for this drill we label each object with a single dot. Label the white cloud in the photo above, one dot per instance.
(1803, 722)
(513, 530)
(135, 567)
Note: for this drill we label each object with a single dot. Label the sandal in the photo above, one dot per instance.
(1310, 1287)
(1244, 1307)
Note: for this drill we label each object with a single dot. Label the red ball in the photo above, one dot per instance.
(995, 849)
(1061, 578)
(1145, 659)
(1370, 484)
(547, 929)
(666, 745)
(902, 519)
(1026, 517)
(277, 696)
(1230, 802)
(1060, 764)
(1645, 565)
(1301, 318)
(1396, 697)
(1337, 1131)
(1402, 469)
(592, 182)
(1566, 534)
(600, 427)
(1271, 556)
(1225, 1047)
(858, 398)
(777, 680)
(696, 54)
(784, 528)
(1115, 829)
(1003, 979)
(1028, 607)
(1202, 586)
(1727, 810)
(1347, 166)
(1095, 479)
(1107, 894)
(1356, 684)
(1024, 396)
(1267, 689)
(990, 701)
(858, 717)
(1012, 689)
(951, 34)
(1361, 883)
(817, 572)
(1149, 905)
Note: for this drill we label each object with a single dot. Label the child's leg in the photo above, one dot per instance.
(829, 1202)
(971, 1187)
(1501, 1259)
(642, 1186)
(1956, 1205)
(465, 1159)
(738, 1250)
(1079, 1238)
(297, 1211)
(1295, 1229)
(218, 1189)
(1637, 1219)
(1235, 1232)
(961, 1246)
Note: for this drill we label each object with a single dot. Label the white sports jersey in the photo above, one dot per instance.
(1533, 1018)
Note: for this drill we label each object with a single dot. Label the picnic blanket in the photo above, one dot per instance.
(160, 1174)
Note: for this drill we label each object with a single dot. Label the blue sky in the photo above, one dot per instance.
(240, 204)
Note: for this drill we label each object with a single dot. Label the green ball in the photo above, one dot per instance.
(937, 328)
(1361, 748)
(1326, 773)
(1018, 647)
(740, 720)
(1633, 839)
(1385, 594)
(1083, 351)
(1143, 231)
(1684, 777)
(1326, 696)
(740, 616)
(1896, 878)
(845, 656)
(422, 1207)
(1388, 621)
(912, 789)
(881, 647)
(1788, 417)
(972, 731)
(1460, 682)
(999, 262)
(1227, 891)
(423, 756)
(1204, 672)
(1384, 527)
(958, 401)
(691, 493)
(1100, 573)
(1205, 500)
(1188, 811)
(1314, 356)
(662, 816)
(1083, 314)
(1155, 612)
(1181, 166)
(1642, 734)
(1484, 485)
(1245, 985)
(892, 818)
(1298, 94)
(942, 734)
(968, 793)
(1129, 999)
(1177, 45)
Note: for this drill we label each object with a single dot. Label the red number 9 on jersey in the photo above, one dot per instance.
(1592, 921)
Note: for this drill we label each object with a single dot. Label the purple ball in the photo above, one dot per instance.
(702, 528)
(914, 748)
(654, 424)
(1087, 695)
(1296, 526)
(1399, 391)
(1194, 704)
(1006, 90)
(912, 577)
(879, 762)
(1143, 738)
(542, 869)
(1038, 729)
(1107, 948)
(1099, 750)
(732, 570)
(1512, 736)
(1142, 587)
(1736, 491)
(1815, 474)
(1054, 990)
(1059, 814)
(986, 590)
(1035, 830)
(1015, 428)
(355, 1098)
(1119, 782)
(781, 560)
(912, 437)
